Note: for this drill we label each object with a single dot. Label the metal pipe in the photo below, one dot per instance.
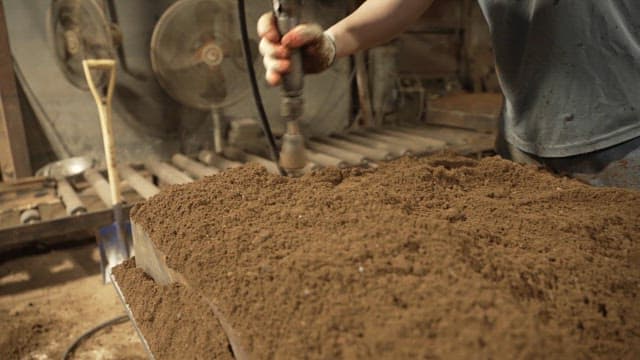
(72, 203)
(271, 166)
(350, 157)
(142, 186)
(100, 185)
(370, 153)
(435, 143)
(218, 138)
(194, 168)
(325, 160)
(396, 149)
(167, 173)
(217, 161)
(427, 131)
(413, 146)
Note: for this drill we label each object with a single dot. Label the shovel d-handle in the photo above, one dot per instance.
(103, 99)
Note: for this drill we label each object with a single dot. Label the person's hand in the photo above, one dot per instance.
(318, 48)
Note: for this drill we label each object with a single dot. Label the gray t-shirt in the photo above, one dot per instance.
(570, 72)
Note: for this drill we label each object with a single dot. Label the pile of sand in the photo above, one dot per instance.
(422, 258)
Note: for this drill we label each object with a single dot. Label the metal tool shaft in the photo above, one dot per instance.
(292, 156)
(288, 15)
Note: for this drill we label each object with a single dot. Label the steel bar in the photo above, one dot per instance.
(368, 152)
(395, 149)
(100, 185)
(325, 160)
(212, 159)
(142, 186)
(72, 203)
(167, 173)
(193, 167)
(350, 157)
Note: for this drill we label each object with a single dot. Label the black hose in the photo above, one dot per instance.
(273, 148)
(72, 348)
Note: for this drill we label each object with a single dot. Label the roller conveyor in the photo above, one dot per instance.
(85, 203)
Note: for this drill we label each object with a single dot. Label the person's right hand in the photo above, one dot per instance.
(318, 48)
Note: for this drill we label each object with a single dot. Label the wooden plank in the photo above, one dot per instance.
(14, 154)
(24, 184)
(23, 235)
(27, 200)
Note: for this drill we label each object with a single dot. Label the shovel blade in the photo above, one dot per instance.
(113, 242)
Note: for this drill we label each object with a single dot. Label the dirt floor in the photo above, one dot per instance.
(440, 257)
(49, 299)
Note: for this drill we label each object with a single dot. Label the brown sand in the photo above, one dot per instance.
(423, 258)
(179, 318)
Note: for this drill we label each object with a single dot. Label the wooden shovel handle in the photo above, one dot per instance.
(103, 100)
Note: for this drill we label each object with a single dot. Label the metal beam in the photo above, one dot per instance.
(14, 154)
(23, 235)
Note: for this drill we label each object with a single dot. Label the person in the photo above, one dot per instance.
(569, 72)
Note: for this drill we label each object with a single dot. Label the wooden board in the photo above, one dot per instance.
(14, 154)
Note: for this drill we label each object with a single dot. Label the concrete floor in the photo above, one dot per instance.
(47, 300)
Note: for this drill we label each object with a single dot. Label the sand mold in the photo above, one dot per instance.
(442, 257)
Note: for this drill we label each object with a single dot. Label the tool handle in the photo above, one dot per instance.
(287, 14)
(103, 101)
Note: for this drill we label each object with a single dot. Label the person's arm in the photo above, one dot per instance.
(373, 23)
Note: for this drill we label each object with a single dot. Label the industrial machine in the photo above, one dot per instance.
(182, 108)
(198, 60)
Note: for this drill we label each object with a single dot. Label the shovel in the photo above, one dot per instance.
(112, 239)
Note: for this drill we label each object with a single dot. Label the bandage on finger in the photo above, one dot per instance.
(277, 65)
(267, 28)
(269, 49)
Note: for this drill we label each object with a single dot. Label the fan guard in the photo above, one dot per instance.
(197, 56)
(79, 31)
